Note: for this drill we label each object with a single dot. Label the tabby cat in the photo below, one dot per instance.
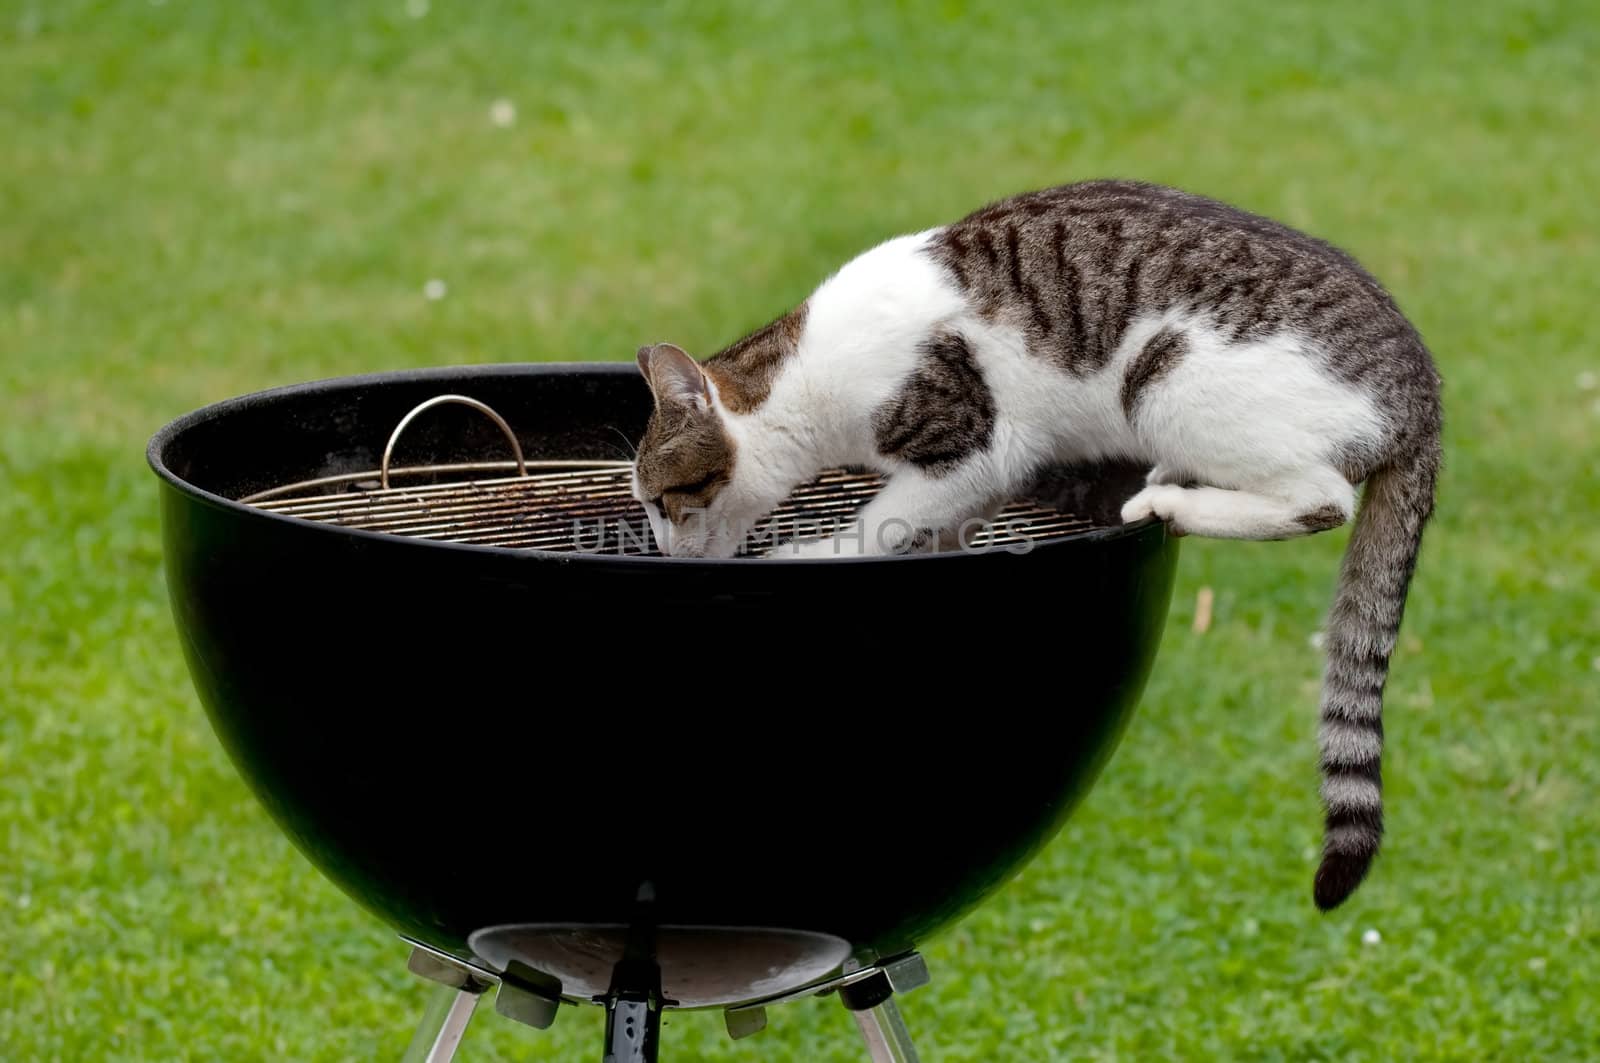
(1259, 373)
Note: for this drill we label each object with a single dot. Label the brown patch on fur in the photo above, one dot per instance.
(1323, 518)
(685, 458)
(1154, 360)
(943, 413)
(744, 372)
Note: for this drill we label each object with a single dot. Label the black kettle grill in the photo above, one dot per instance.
(426, 621)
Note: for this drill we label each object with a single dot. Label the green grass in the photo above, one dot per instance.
(199, 200)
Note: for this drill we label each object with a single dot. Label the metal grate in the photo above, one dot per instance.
(584, 506)
(588, 507)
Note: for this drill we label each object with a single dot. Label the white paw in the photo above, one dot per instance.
(1162, 501)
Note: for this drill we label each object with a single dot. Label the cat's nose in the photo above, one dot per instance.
(660, 527)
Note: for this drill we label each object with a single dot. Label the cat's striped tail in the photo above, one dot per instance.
(1362, 628)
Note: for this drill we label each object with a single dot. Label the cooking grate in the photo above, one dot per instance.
(586, 506)
(591, 509)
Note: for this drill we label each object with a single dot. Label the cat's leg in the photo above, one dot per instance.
(961, 535)
(913, 512)
(1282, 508)
(1165, 474)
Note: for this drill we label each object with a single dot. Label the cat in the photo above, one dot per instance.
(1259, 373)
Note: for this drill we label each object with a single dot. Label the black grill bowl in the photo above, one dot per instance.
(465, 738)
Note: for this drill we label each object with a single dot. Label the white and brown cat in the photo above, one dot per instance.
(1261, 374)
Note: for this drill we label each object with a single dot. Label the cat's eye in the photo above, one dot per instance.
(692, 488)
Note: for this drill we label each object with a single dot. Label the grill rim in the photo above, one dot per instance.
(155, 455)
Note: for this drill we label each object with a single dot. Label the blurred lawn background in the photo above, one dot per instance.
(200, 200)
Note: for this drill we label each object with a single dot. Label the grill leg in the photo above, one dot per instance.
(450, 1004)
(445, 1020)
(633, 1030)
(872, 1004)
(888, 1040)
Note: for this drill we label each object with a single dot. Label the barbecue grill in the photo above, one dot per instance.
(428, 624)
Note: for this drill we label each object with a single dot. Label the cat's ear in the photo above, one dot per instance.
(676, 378)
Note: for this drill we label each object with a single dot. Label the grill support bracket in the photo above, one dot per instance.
(871, 1002)
(457, 990)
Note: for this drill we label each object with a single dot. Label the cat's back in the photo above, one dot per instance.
(1073, 267)
(1093, 215)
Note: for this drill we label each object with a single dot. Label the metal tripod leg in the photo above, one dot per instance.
(633, 1030)
(445, 1020)
(888, 1040)
(450, 1005)
(871, 1001)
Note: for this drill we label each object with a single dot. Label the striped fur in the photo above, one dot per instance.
(1362, 629)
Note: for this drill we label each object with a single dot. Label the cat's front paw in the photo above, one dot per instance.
(1162, 501)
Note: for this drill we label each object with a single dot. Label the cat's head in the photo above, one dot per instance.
(701, 503)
